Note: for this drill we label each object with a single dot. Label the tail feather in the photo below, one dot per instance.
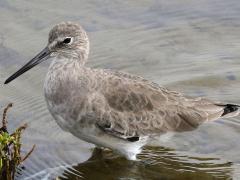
(230, 109)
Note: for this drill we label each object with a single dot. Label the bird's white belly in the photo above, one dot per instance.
(102, 139)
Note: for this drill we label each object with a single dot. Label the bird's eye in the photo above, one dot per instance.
(67, 40)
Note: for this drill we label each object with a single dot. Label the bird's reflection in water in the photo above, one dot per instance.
(155, 163)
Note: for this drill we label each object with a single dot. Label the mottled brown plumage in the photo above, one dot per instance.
(114, 109)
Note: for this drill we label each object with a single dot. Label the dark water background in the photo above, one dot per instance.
(185, 45)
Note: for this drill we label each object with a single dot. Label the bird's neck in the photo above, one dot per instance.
(78, 57)
(69, 58)
(62, 76)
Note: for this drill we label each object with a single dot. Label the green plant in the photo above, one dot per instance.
(10, 149)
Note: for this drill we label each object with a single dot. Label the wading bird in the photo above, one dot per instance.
(109, 108)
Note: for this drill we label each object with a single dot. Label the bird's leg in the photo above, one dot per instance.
(97, 153)
(147, 162)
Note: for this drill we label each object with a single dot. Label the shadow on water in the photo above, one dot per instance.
(156, 163)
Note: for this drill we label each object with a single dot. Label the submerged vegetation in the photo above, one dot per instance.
(10, 149)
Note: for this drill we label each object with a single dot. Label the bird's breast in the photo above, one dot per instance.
(65, 83)
(68, 98)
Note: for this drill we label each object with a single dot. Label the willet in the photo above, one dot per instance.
(109, 108)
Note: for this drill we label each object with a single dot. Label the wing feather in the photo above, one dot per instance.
(137, 107)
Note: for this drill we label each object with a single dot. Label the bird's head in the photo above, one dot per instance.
(66, 40)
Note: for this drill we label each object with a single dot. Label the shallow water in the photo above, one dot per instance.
(189, 46)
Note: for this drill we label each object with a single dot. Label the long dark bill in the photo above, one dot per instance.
(36, 60)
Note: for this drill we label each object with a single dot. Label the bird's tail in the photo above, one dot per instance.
(230, 110)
